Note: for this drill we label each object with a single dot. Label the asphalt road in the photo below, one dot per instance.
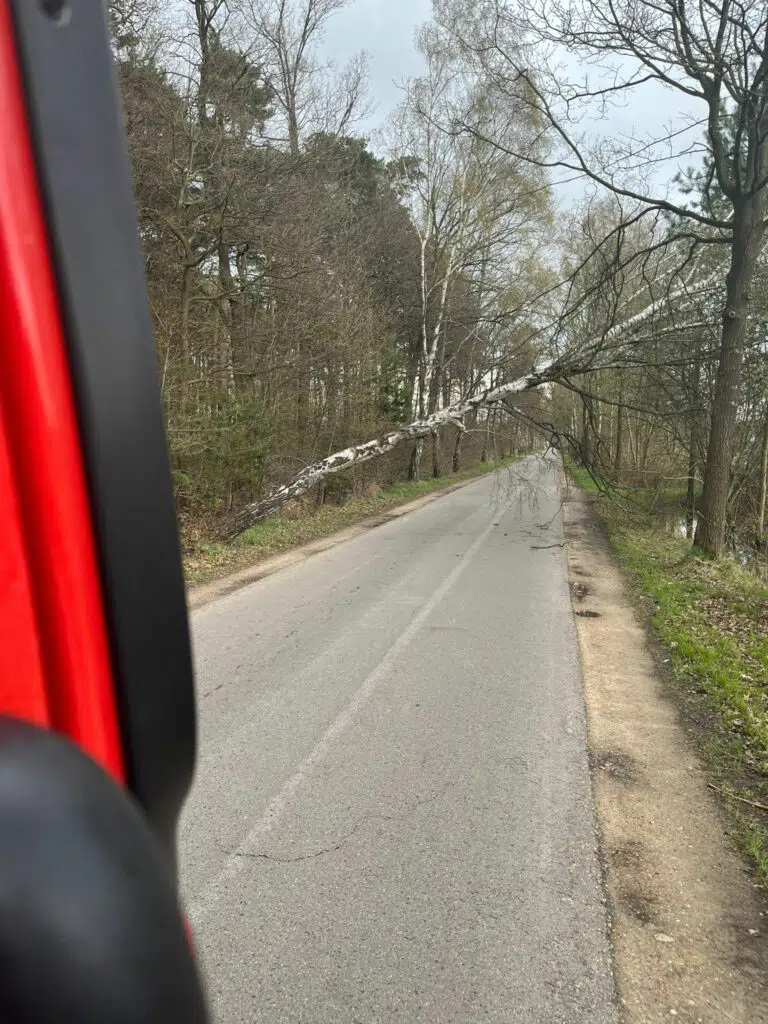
(392, 818)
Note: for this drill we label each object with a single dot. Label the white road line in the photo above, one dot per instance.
(216, 889)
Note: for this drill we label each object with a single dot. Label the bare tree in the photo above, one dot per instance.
(310, 98)
(476, 213)
(713, 54)
(610, 349)
(317, 306)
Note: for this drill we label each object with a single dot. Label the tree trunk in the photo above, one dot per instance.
(436, 463)
(186, 298)
(690, 498)
(599, 408)
(632, 444)
(693, 453)
(293, 129)
(228, 315)
(456, 463)
(414, 466)
(610, 443)
(204, 21)
(747, 235)
(763, 483)
(586, 434)
(645, 453)
(303, 378)
(619, 442)
(464, 411)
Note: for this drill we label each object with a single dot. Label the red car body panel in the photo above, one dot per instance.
(55, 655)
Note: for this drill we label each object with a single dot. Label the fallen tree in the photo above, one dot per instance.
(358, 454)
(611, 345)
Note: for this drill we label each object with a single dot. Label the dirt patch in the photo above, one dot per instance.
(620, 766)
(688, 926)
(579, 590)
(628, 854)
(587, 613)
(640, 905)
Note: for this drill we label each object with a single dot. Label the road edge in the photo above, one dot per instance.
(201, 594)
(686, 924)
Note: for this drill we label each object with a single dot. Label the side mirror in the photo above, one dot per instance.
(90, 929)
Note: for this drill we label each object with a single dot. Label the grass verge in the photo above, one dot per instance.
(284, 531)
(711, 619)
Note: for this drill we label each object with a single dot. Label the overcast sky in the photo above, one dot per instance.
(385, 28)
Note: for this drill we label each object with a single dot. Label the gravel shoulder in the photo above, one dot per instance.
(688, 925)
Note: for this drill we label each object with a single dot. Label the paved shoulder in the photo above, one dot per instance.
(393, 818)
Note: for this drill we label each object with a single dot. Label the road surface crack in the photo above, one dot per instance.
(339, 844)
(303, 856)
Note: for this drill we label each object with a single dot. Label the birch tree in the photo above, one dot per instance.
(569, 356)
(714, 57)
(469, 206)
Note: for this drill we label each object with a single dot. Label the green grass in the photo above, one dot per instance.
(638, 502)
(581, 476)
(284, 531)
(711, 618)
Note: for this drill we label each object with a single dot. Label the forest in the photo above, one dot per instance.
(338, 309)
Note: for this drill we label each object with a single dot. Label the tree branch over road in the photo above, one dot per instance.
(586, 357)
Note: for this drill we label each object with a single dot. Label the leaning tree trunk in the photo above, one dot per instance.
(747, 235)
(454, 414)
(374, 449)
